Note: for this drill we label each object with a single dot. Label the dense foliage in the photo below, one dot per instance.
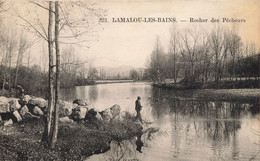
(35, 81)
(200, 57)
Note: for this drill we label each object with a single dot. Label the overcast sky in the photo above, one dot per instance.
(132, 43)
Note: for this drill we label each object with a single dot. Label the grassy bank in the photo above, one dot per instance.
(227, 84)
(237, 95)
(227, 94)
(76, 141)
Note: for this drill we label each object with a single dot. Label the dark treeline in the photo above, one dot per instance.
(33, 80)
(196, 57)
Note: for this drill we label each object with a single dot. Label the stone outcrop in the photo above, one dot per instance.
(4, 107)
(4, 99)
(106, 115)
(15, 110)
(17, 116)
(23, 111)
(66, 108)
(19, 109)
(81, 102)
(111, 113)
(14, 104)
(38, 102)
(66, 119)
(25, 99)
(79, 112)
(37, 111)
(115, 110)
(8, 122)
(93, 115)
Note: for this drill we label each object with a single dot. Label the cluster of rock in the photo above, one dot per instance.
(83, 110)
(16, 110)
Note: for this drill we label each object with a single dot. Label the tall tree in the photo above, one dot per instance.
(47, 131)
(57, 87)
(173, 53)
(23, 45)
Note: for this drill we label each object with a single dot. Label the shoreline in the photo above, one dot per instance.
(23, 140)
(227, 84)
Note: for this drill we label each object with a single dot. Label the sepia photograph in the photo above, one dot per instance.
(130, 80)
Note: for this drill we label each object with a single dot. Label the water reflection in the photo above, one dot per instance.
(218, 122)
(139, 143)
(93, 93)
(189, 129)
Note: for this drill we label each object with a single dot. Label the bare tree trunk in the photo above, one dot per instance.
(21, 50)
(47, 130)
(57, 89)
(16, 69)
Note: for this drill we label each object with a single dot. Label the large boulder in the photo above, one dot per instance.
(1, 118)
(93, 115)
(66, 108)
(118, 118)
(23, 110)
(17, 116)
(14, 104)
(37, 111)
(81, 102)
(115, 110)
(79, 112)
(25, 99)
(98, 116)
(106, 115)
(4, 105)
(66, 119)
(29, 115)
(8, 123)
(126, 115)
(38, 102)
(4, 99)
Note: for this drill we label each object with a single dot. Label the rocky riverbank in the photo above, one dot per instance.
(83, 130)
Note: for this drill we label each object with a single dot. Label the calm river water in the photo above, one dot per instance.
(189, 129)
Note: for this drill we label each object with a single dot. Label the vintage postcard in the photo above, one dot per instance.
(130, 80)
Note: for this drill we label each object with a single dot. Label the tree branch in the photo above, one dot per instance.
(33, 28)
(41, 6)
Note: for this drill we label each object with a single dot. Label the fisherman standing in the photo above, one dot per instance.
(138, 108)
